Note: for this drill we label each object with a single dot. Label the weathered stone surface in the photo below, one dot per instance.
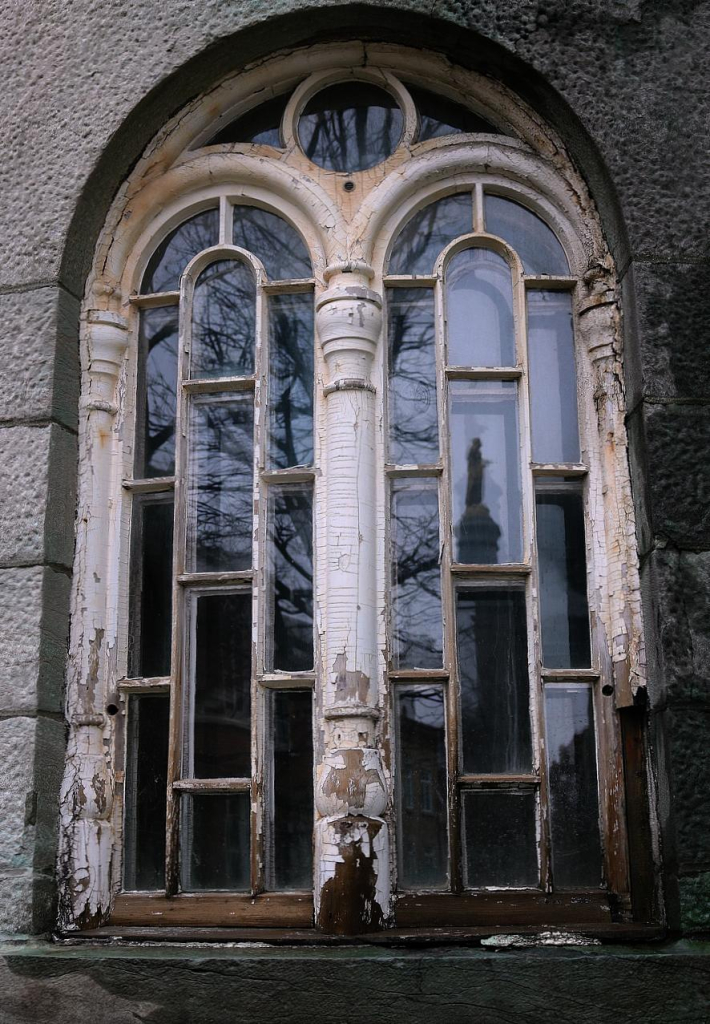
(695, 903)
(670, 312)
(678, 439)
(308, 986)
(39, 342)
(31, 752)
(688, 728)
(27, 904)
(33, 641)
(38, 469)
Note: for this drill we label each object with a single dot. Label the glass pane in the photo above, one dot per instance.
(220, 499)
(563, 577)
(272, 240)
(553, 379)
(169, 260)
(417, 626)
(292, 842)
(290, 380)
(223, 321)
(220, 696)
(440, 116)
(426, 233)
(157, 392)
(500, 838)
(485, 472)
(574, 807)
(215, 842)
(291, 576)
(534, 242)
(350, 126)
(422, 818)
(413, 422)
(151, 586)
(479, 310)
(491, 637)
(146, 792)
(260, 125)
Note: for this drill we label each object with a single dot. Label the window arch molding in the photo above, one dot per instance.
(350, 246)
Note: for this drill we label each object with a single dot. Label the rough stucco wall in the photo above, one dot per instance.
(635, 76)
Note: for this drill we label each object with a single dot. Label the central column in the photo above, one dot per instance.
(352, 848)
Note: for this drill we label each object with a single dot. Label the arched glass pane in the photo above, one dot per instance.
(426, 233)
(260, 125)
(350, 126)
(535, 243)
(272, 239)
(440, 116)
(553, 384)
(223, 321)
(479, 310)
(175, 252)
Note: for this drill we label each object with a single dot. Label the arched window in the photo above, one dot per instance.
(357, 605)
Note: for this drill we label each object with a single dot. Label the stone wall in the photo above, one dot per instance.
(86, 87)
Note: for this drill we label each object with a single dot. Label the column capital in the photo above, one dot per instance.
(349, 323)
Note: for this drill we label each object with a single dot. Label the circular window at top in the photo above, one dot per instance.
(350, 126)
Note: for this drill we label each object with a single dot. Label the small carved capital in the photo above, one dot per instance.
(351, 781)
(108, 339)
(349, 322)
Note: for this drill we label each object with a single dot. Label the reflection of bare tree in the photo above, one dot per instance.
(223, 321)
(414, 431)
(291, 380)
(417, 578)
(278, 245)
(348, 129)
(221, 473)
(424, 236)
(291, 553)
(175, 252)
(159, 339)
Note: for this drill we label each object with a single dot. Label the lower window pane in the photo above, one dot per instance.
(150, 631)
(423, 839)
(293, 790)
(215, 842)
(291, 577)
(574, 802)
(493, 669)
(145, 792)
(500, 838)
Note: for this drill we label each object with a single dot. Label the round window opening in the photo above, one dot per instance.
(350, 126)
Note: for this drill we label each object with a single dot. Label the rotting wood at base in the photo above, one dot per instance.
(288, 910)
(491, 909)
(348, 903)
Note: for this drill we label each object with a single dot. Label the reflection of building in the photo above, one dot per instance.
(476, 532)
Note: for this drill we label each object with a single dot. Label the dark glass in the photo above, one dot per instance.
(146, 791)
(417, 632)
(291, 576)
(574, 802)
(215, 842)
(223, 321)
(422, 238)
(350, 126)
(500, 838)
(553, 378)
(413, 421)
(260, 125)
(563, 577)
(157, 392)
(479, 310)
(151, 586)
(533, 241)
(440, 116)
(492, 646)
(169, 260)
(220, 697)
(423, 837)
(485, 472)
(292, 842)
(220, 496)
(272, 240)
(290, 380)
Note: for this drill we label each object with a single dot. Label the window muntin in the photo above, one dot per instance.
(208, 453)
(513, 542)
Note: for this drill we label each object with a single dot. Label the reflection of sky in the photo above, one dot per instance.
(424, 706)
(568, 712)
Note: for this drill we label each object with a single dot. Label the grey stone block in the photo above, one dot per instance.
(688, 730)
(27, 904)
(40, 355)
(695, 903)
(678, 440)
(34, 612)
(38, 469)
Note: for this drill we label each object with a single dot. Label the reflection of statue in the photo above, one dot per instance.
(476, 533)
